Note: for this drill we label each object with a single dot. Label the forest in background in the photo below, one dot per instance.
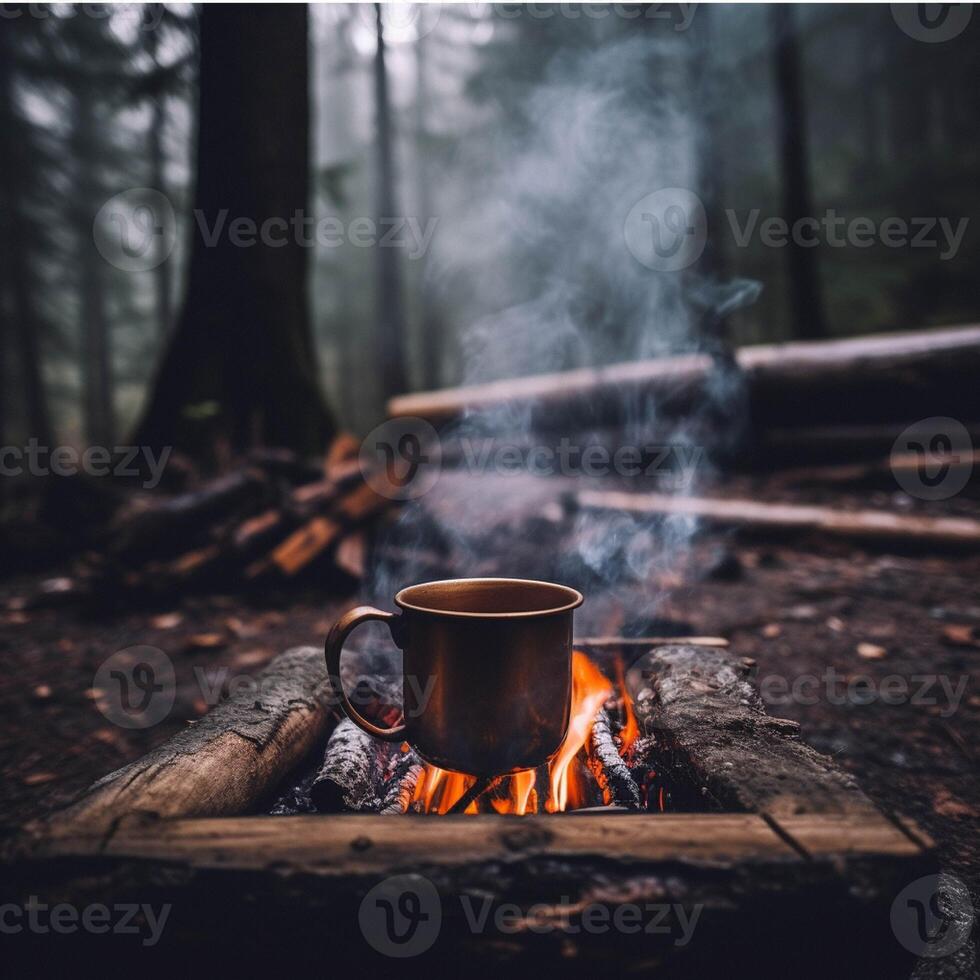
(514, 137)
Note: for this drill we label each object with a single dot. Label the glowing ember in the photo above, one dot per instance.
(438, 789)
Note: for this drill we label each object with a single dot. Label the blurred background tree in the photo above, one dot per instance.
(511, 128)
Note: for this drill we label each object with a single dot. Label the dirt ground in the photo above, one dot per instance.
(852, 628)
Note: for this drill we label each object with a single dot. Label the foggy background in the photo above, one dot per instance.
(523, 136)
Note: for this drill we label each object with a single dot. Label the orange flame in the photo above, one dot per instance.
(589, 690)
(631, 729)
(437, 790)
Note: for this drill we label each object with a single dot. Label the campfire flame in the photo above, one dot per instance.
(437, 790)
(631, 729)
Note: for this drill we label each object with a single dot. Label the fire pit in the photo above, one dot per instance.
(675, 796)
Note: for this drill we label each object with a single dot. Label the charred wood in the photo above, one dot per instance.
(607, 766)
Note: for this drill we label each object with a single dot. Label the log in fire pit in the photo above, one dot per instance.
(699, 830)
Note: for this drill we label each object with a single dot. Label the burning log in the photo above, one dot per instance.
(773, 518)
(610, 771)
(351, 767)
(399, 787)
(224, 763)
(710, 723)
(357, 768)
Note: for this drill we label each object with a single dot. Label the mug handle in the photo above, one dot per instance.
(333, 649)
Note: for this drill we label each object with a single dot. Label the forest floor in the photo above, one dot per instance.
(830, 616)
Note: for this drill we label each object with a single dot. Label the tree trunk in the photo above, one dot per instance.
(19, 323)
(96, 347)
(391, 326)
(241, 367)
(431, 327)
(791, 121)
(158, 181)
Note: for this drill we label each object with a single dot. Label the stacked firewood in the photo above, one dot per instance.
(267, 521)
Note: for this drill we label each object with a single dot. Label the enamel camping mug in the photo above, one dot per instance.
(487, 665)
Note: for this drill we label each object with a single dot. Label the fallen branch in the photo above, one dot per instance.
(869, 525)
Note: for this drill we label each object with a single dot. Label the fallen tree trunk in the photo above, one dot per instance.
(774, 518)
(697, 705)
(222, 764)
(875, 378)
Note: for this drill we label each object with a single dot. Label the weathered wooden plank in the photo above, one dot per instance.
(361, 843)
(350, 844)
(826, 835)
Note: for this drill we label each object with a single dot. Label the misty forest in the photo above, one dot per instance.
(664, 315)
(498, 155)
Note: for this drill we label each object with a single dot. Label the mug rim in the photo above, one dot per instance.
(576, 599)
